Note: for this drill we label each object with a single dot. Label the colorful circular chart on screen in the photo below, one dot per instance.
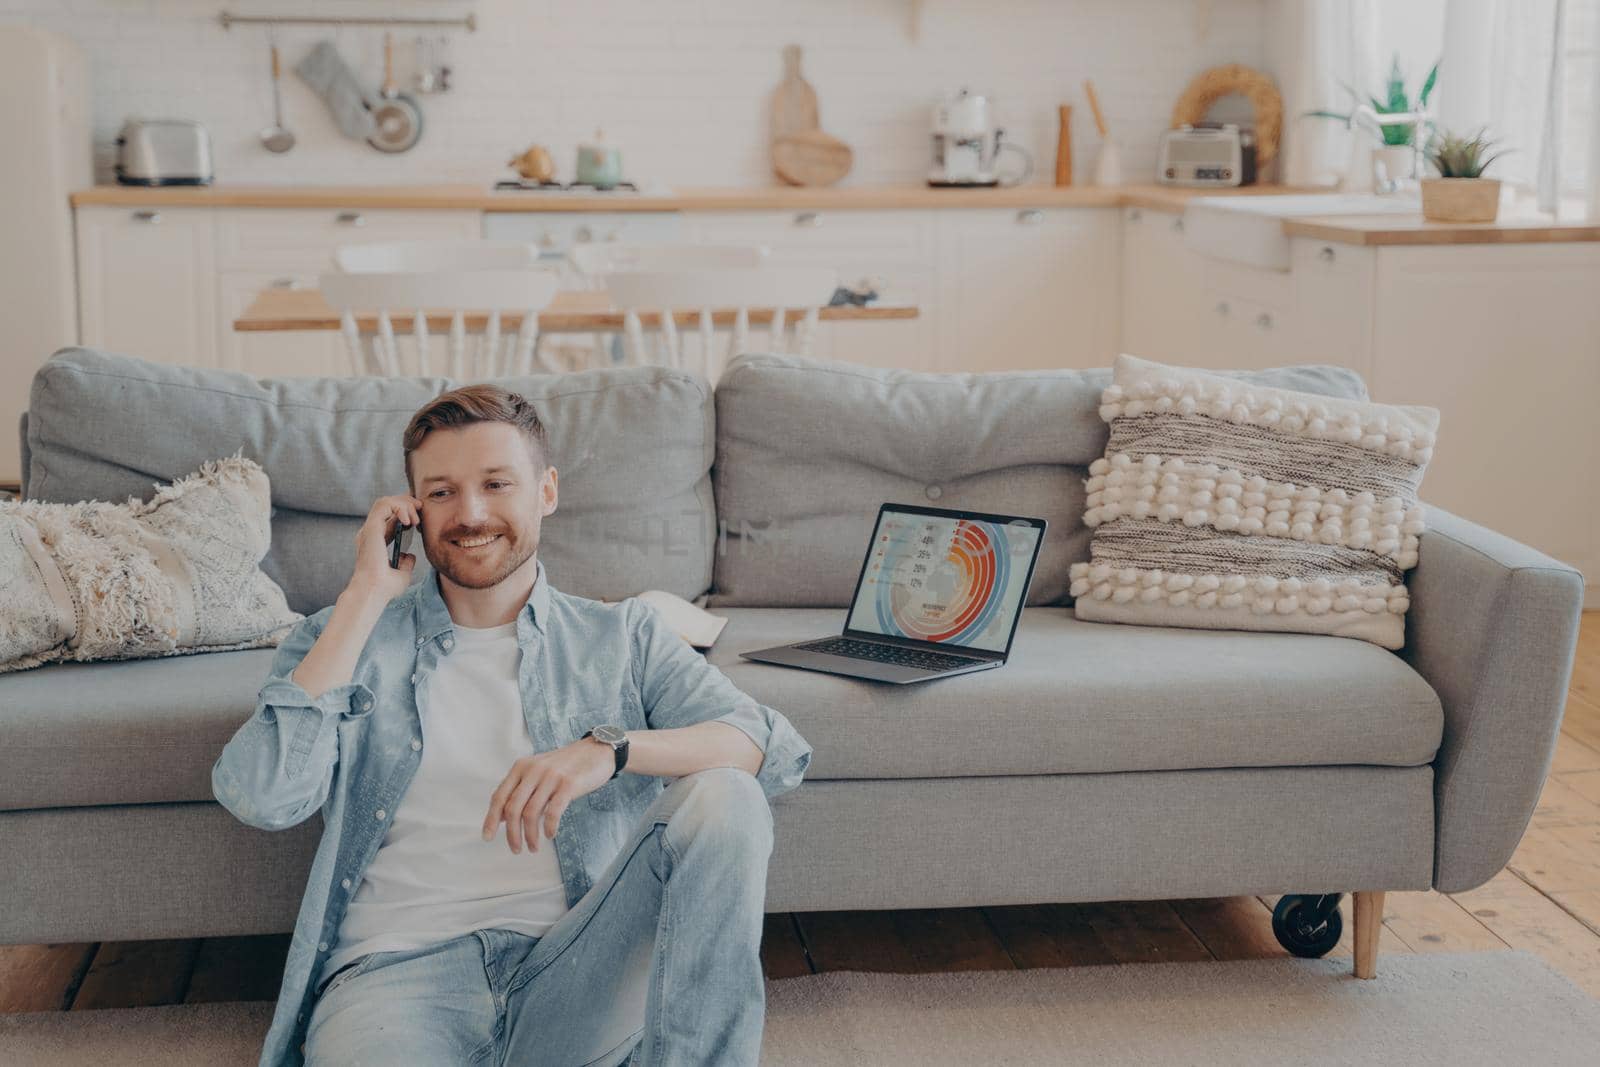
(944, 586)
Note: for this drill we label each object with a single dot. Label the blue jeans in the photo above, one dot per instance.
(658, 964)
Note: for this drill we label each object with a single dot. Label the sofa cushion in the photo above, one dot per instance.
(1077, 697)
(1252, 509)
(133, 732)
(633, 447)
(178, 573)
(1081, 697)
(808, 449)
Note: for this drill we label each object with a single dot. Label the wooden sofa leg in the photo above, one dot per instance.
(1369, 919)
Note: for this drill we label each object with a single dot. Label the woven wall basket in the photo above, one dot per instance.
(1212, 85)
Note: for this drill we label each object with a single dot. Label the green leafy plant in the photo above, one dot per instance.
(1458, 157)
(1395, 100)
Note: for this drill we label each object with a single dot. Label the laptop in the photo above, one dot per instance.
(939, 593)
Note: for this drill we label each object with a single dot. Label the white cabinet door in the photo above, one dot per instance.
(303, 239)
(897, 248)
(146, 283)
(1165, 315)
(1250, 322)
(1028, 288)
(1334, 303)
(1505, 341)
(276, 354)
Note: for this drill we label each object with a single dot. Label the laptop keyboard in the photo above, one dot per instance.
(884, 653)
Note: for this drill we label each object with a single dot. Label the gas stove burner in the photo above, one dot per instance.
(526, 186)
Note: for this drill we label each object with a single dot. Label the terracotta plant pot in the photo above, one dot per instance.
(1460, 199)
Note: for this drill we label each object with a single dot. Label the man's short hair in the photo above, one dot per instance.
(472, 404)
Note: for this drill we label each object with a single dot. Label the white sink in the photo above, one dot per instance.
(1249, 229)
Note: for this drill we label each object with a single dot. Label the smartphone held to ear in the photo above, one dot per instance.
(397, 546)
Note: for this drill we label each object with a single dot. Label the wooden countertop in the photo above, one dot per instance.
(1415, 230)
(775, 198)
(1344, 229)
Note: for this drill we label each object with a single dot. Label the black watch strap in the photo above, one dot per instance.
(619, 751)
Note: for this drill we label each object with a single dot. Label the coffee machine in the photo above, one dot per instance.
(966, 146)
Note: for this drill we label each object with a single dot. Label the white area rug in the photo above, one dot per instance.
(1500, 1008)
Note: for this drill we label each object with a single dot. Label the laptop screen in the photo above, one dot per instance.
(949, 579)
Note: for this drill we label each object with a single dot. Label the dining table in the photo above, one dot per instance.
(570, 311)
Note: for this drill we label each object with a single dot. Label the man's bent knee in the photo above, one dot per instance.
(726, 803)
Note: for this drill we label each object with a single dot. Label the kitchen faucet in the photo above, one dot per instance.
(1417, 120)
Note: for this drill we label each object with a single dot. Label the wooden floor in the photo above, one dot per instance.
(1547, 902)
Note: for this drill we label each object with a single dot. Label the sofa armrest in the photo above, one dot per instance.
(1493, 628)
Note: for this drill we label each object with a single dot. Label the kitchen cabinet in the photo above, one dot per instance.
(1503, 339)
(1163, 302)
(166, 283)
(260, 248)
(294, 240)
(898, 248)
(1180, 306)
(998, 289)
(147, 283)
(1028, 288)
(1334, 290)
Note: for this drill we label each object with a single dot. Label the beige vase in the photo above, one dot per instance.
(1460, 199)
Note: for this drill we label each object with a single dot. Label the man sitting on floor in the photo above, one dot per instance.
(621, 918)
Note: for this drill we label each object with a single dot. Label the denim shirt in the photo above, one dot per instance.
(351, 752)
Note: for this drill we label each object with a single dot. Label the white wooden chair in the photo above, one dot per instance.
(596, 260)
(442, 278)
(591, 262)
(796, 295)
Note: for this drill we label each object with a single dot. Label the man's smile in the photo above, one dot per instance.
(476, 542)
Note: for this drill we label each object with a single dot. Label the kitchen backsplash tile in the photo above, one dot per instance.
(681, 85)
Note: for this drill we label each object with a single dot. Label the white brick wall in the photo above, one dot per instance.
(681, 85)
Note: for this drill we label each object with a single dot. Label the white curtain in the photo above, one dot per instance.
(1323, 46)
(1589, 122)
(1501, 68)
(1504, 69)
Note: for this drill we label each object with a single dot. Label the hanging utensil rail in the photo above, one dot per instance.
(228, 19)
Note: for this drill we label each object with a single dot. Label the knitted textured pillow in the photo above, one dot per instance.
(1220, 505)
(178, 574)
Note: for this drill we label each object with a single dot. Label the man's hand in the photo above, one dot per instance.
(373, 576)
(542, 785)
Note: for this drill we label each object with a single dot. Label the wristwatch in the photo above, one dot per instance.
(617, 739)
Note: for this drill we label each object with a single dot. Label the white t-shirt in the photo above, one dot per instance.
(435, 877)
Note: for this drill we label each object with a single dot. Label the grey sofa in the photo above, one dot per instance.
(1103, 762)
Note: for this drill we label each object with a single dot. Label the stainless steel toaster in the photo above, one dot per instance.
(163, 152)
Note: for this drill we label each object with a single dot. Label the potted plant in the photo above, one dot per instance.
(1461, 193)
(1397, 150)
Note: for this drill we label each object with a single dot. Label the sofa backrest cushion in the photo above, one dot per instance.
(632, 446)
(808, 449)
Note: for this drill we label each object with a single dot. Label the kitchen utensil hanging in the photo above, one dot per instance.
(424, 79)
(277, 137)
(397, 115)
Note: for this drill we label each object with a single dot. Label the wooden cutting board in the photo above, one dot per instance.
(811, 157)
(801, 153)
(794, 105)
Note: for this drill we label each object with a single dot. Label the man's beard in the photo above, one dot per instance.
(518, 553)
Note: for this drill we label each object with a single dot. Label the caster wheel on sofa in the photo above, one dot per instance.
(1306, 924)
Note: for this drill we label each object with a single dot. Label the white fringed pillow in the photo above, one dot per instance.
(1224, 505)
(178, 574)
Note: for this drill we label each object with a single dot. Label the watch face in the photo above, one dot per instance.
(611, 735)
